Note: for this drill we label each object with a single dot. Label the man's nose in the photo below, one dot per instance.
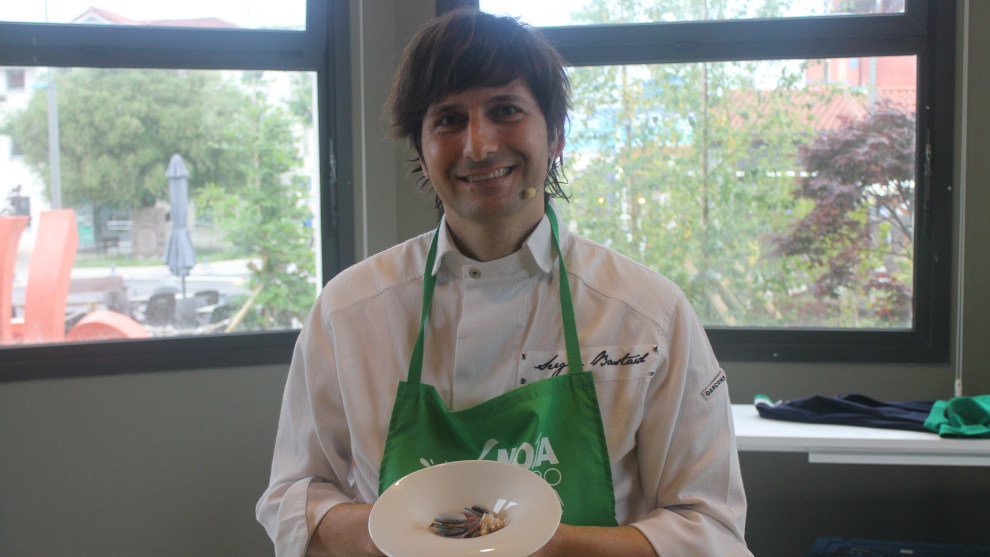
(482, 139)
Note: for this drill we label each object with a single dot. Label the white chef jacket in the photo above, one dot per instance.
(493, 326)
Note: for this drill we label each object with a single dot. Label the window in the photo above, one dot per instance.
(196, 154)
(788, 164)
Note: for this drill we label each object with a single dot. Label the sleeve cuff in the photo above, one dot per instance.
(671, 533)
(302, 507)
(320, 498)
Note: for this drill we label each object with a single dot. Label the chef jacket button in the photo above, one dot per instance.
(474, 273)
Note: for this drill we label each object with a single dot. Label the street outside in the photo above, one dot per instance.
(228, 278)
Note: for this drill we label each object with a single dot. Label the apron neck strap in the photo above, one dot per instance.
(429, 284)
(566, 303)
(566, 307)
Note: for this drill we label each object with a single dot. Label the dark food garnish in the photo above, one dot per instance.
(475, 521)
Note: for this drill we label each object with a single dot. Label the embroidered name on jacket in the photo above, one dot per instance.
(714, 385)
(602, 359)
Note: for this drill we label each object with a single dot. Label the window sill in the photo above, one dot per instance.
(841, 444)
(114, 357)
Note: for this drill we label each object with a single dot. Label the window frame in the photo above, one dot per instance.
(926, 29)
(323, 47)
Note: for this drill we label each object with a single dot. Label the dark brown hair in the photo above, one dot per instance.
(467, 48)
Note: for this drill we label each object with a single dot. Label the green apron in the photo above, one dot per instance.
(552, 427)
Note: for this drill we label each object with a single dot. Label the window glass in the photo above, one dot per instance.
(583, 12)
(775, 193)
(194, 197)
(250, 14)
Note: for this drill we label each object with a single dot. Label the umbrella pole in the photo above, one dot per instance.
(183, 286)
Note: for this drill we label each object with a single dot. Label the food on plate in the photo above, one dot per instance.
(469, 523)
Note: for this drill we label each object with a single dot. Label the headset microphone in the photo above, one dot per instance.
(529, 192)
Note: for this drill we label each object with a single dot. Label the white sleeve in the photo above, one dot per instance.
(687, 450)
(312, 446)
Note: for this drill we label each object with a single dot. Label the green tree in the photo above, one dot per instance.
(265, 215)
(858, 238)
(684, 167)
(300, 100)
(119, 127)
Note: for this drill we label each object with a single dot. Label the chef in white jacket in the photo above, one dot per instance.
(499, 324)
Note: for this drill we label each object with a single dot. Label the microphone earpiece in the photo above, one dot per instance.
(529, 192)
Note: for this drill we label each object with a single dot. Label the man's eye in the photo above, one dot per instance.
(508, 110)
(447, 121)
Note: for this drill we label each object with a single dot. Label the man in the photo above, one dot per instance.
(501, 307)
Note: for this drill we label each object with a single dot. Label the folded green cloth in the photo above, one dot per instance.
(964, 416)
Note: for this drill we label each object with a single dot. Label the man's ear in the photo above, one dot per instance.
(422, 164)
(556, 145)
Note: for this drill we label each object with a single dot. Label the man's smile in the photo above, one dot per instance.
(497, 173)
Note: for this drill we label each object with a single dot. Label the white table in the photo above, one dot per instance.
(826, 443)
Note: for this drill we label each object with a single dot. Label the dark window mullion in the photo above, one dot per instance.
(336, 167)
(590, 55)
(933, 246)
(175, 38)
(917, 11)
(823, 345)
(150, 57)
(99, 57)
(734, 40)
(130, 356)
(800, 28)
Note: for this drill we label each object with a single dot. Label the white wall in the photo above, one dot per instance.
(171, 463)
(389, 206)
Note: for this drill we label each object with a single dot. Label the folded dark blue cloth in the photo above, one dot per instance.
(853, 409)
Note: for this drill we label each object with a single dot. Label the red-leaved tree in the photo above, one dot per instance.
(858, 237)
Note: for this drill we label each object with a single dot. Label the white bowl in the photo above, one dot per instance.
(400, 518)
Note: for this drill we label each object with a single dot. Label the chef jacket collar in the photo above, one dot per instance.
(538, 247)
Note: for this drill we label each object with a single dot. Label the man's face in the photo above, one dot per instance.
(482, 148)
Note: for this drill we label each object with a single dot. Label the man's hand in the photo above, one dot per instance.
(344, 531)
(575, 541)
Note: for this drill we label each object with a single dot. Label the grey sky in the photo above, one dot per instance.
(245, 13)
